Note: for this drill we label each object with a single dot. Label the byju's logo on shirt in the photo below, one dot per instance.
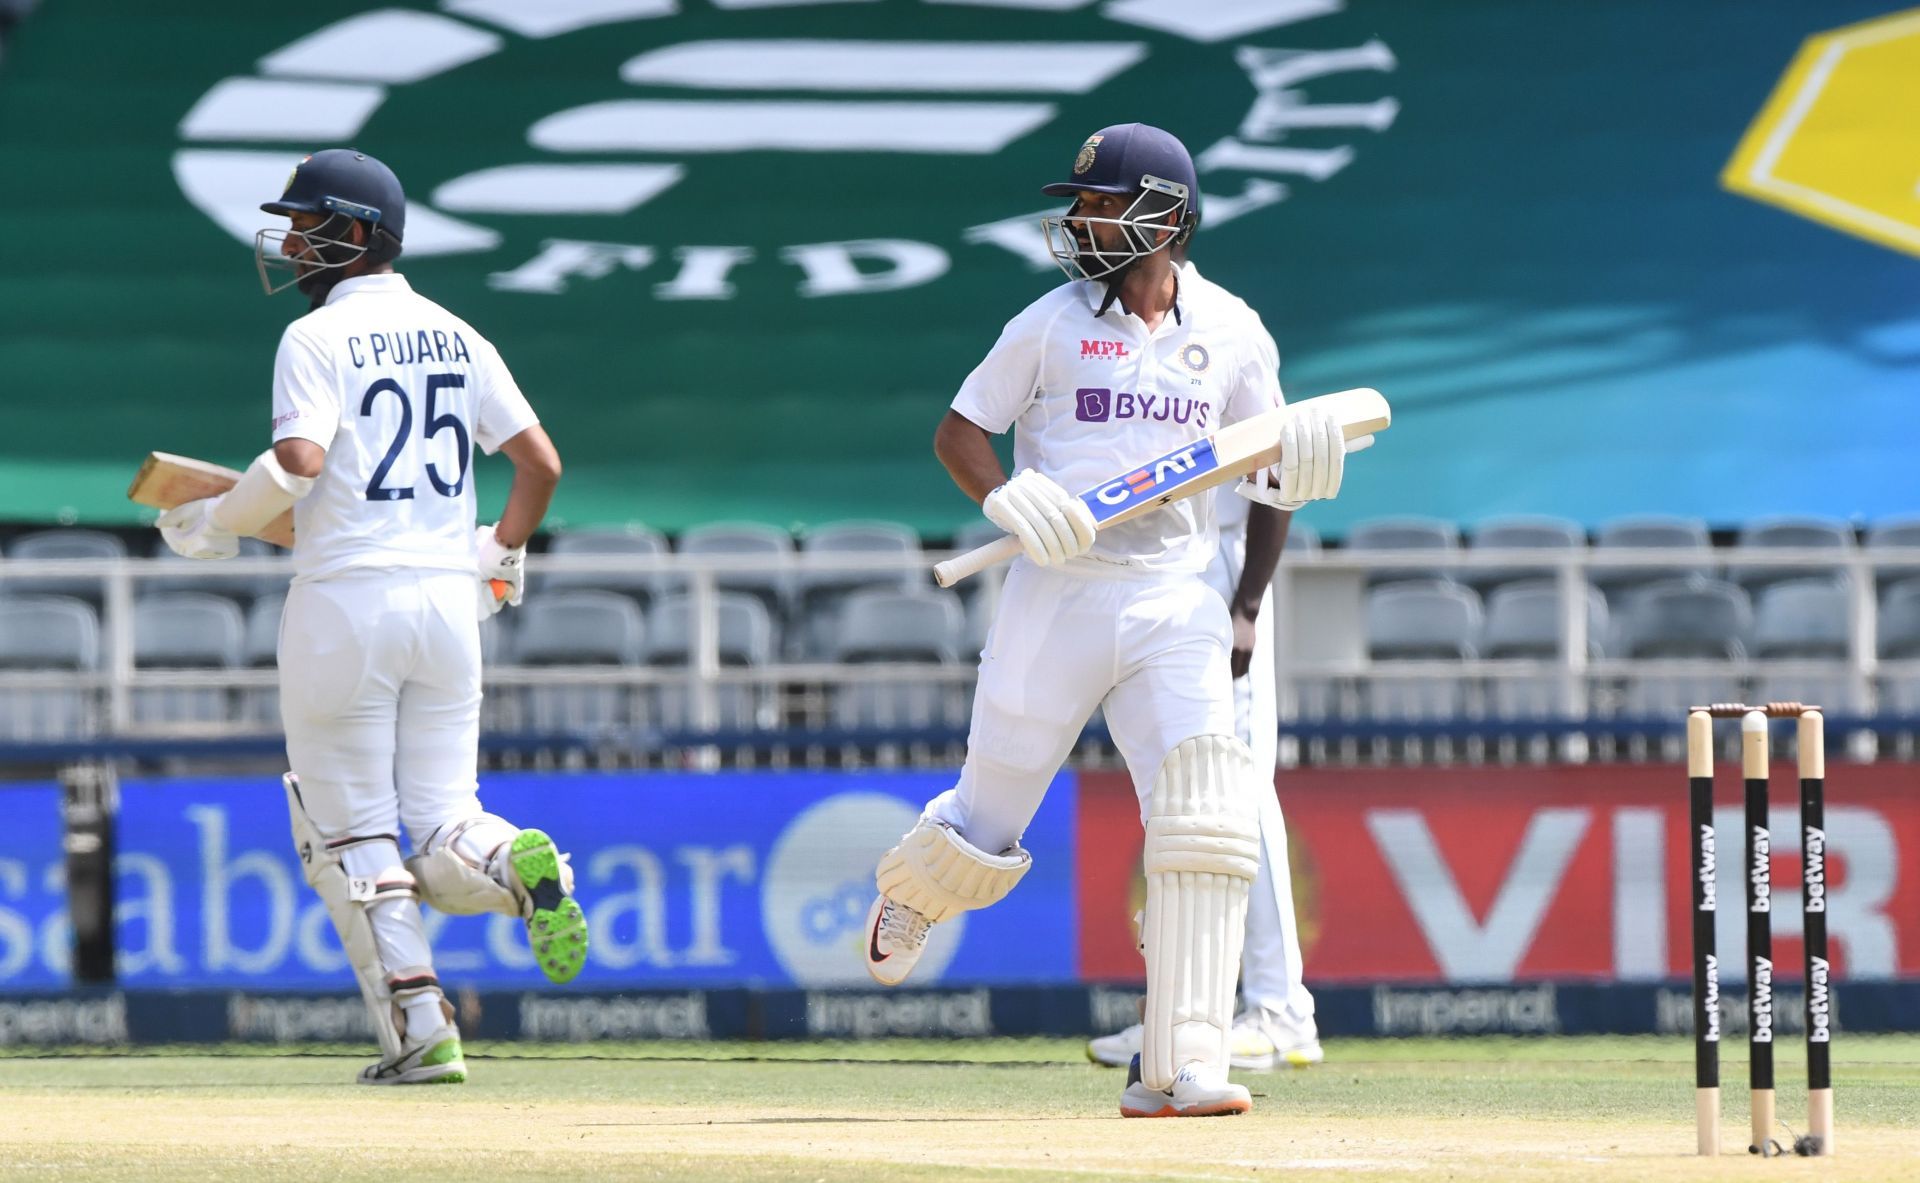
(1099, 349)
(1097, 404)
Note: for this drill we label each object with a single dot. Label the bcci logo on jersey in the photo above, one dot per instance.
(674, 118)
(1154, 479)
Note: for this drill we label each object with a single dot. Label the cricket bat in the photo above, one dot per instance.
(1228, 454)
(166, 480)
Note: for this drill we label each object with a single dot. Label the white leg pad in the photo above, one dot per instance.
(1202, 853)
(938, 873)
(372, 900)
(454, 867)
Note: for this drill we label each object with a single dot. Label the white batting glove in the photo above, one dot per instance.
(189, 531)
(1313, 462)
(507, 564)
(1052, 524)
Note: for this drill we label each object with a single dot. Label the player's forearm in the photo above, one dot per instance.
(1266, 538)
(536, 474)
(966, 450)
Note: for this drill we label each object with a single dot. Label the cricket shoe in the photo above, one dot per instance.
(437, 1059)
(556, 927)
(1263, 1040)
(1199, 1090)
(1119, 1049)
(896, 936)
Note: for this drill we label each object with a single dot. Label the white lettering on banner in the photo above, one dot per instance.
(832, 268)
(1464, 949)
(1279, 108)
(1863, 842)
(16, 934)
(64, 1020)
(449, 958)
(1022, 236)
(708, 870)
(1639, 895)
(646, 903)
(870, 1016)
(153, 907)
(56, 931)
(1532, 1011)
(563, 258)
(507, 943)
(579, 1020)
(218, 874)
(703, 273)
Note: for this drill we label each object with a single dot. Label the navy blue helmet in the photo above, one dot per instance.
(1127, 158)
(343, 186)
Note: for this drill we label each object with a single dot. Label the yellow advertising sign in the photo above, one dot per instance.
(1839, 139)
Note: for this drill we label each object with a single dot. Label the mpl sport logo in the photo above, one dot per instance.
(1156, 479)
(711, 149)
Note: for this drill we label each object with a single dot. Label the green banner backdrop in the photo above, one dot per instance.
(740, 254)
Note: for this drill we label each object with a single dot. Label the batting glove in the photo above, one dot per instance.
(1052, 524)
(507, 564)
(189, 531)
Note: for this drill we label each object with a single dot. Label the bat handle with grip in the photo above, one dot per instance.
(500, 589)
(975, 561)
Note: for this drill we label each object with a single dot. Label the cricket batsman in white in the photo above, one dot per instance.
(379, 395)
(1133, 357)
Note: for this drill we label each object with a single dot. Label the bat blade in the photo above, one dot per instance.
(166, 480)
(1208, 462)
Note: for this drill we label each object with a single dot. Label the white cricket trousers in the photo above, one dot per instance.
(1270, 961)
(1151, 651)
(380, 697)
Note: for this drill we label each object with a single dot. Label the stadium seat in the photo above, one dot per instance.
(1684, 618)
(1408, 533)
(976, 533)
(1522, 533)
(1900, 621)
(822, 593)
(884, 625)
(1894, 534)
(1302, 538)
(185, 630)
(635, 541)
(63, 544)
(1796, 533)
(1523, 621)
(47, 633)
(1429, 620)
(744, 636)
(1655, 533)
(1433, 620)
(260, 650)
(582, 627)
(891, 626)
(203, 576)
(772, 584)
(1801, 618)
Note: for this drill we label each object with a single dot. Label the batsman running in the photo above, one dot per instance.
(379, 395)
(1134, 356)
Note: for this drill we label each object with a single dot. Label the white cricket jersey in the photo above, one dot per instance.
(1090, 394)
(397, 390)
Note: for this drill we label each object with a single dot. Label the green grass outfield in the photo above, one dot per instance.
(1012, 1110)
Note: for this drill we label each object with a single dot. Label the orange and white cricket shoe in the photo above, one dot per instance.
(896, 936)
(1199, 1090)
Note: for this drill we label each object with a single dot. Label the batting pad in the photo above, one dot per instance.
(1202, 852)
(937, 873)
(451, 868)
(372, 900)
